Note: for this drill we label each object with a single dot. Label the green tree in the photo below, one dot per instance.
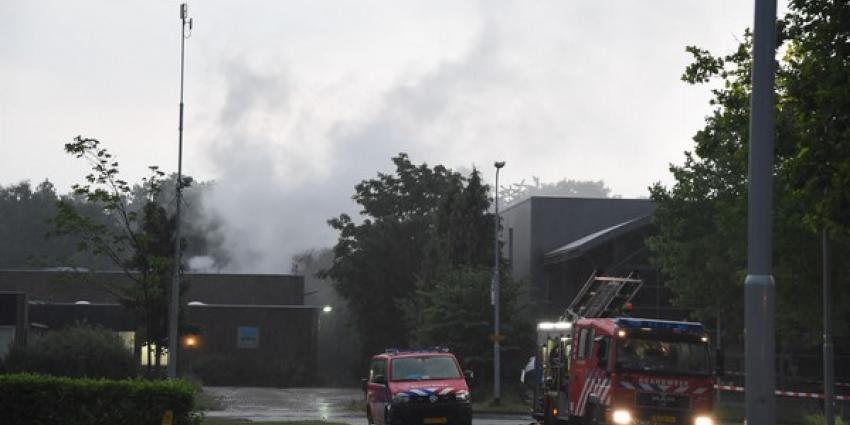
(452, 302)
(462, 234)
(418, 222)
(25, 225)
(701, 244)
(817, 98)
(376, 261)
(138, 240)
(456, 312)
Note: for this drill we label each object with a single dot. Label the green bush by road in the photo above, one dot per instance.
(27, 399)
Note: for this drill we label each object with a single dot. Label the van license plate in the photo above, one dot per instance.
(434, 420)
(664, 419)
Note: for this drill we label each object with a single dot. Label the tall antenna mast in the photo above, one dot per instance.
(174, 307)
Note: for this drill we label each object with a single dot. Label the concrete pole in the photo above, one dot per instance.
(497, 351)
(828, 378)
(174, 305)
(760, 288)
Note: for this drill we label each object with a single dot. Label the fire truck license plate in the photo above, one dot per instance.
(663, 419)
(434, 420)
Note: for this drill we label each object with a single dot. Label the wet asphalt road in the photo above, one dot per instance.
(332, 404)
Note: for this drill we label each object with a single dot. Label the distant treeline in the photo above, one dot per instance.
(26, 215)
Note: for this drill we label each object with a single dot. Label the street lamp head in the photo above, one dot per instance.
(499, 164)
(327, 309)
(190, 341)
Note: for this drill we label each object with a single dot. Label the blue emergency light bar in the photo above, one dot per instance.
(686, 327)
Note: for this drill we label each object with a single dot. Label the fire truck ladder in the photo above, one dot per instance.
(602, 297)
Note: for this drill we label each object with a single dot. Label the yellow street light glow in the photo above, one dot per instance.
(190, 341)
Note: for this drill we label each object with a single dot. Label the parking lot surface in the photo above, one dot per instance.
(332, 404)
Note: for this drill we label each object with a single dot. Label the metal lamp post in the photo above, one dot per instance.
(174, 306)
(497, 391)
(760, 288)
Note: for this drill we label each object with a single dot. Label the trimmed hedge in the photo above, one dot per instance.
(27, 399)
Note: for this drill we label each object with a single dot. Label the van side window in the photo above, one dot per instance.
(583, 343)
(378, 367)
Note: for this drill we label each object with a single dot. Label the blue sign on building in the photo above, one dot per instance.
(248, 337)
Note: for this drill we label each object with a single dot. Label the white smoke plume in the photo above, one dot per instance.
(553, 90)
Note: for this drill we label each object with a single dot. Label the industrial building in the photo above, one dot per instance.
(239, 329)
(554, 244)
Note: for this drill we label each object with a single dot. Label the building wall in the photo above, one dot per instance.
(254, 289)
(286, 350)
(618, 257)
(542, 224)
(285, 353)
(516, 220)
(68, 287)
(57, 316)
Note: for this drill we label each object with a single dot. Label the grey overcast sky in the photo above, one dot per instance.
(290, 103)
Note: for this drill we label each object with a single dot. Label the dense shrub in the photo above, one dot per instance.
(819, 419)
(37, 399)
(81, 350)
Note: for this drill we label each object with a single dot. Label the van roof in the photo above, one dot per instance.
(430, 352)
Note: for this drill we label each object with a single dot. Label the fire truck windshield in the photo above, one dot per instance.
(424, 368)
(660, 356)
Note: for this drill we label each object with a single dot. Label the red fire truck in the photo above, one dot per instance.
(598, 367)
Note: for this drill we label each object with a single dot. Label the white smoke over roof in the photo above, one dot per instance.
(290, 104)
(554, 90)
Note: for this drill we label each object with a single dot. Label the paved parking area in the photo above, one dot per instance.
(332, 404)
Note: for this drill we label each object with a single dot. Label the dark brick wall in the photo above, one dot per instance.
(67, 287)
(288, 330)
(285, 355)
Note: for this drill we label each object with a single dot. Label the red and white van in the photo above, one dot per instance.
(417, 387)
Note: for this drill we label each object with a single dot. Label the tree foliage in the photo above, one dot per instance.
(138, 240)
(456, 312)
(26, 212)
(701, 245)
(423, 229)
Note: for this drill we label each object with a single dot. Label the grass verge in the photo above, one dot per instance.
(510, 402)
